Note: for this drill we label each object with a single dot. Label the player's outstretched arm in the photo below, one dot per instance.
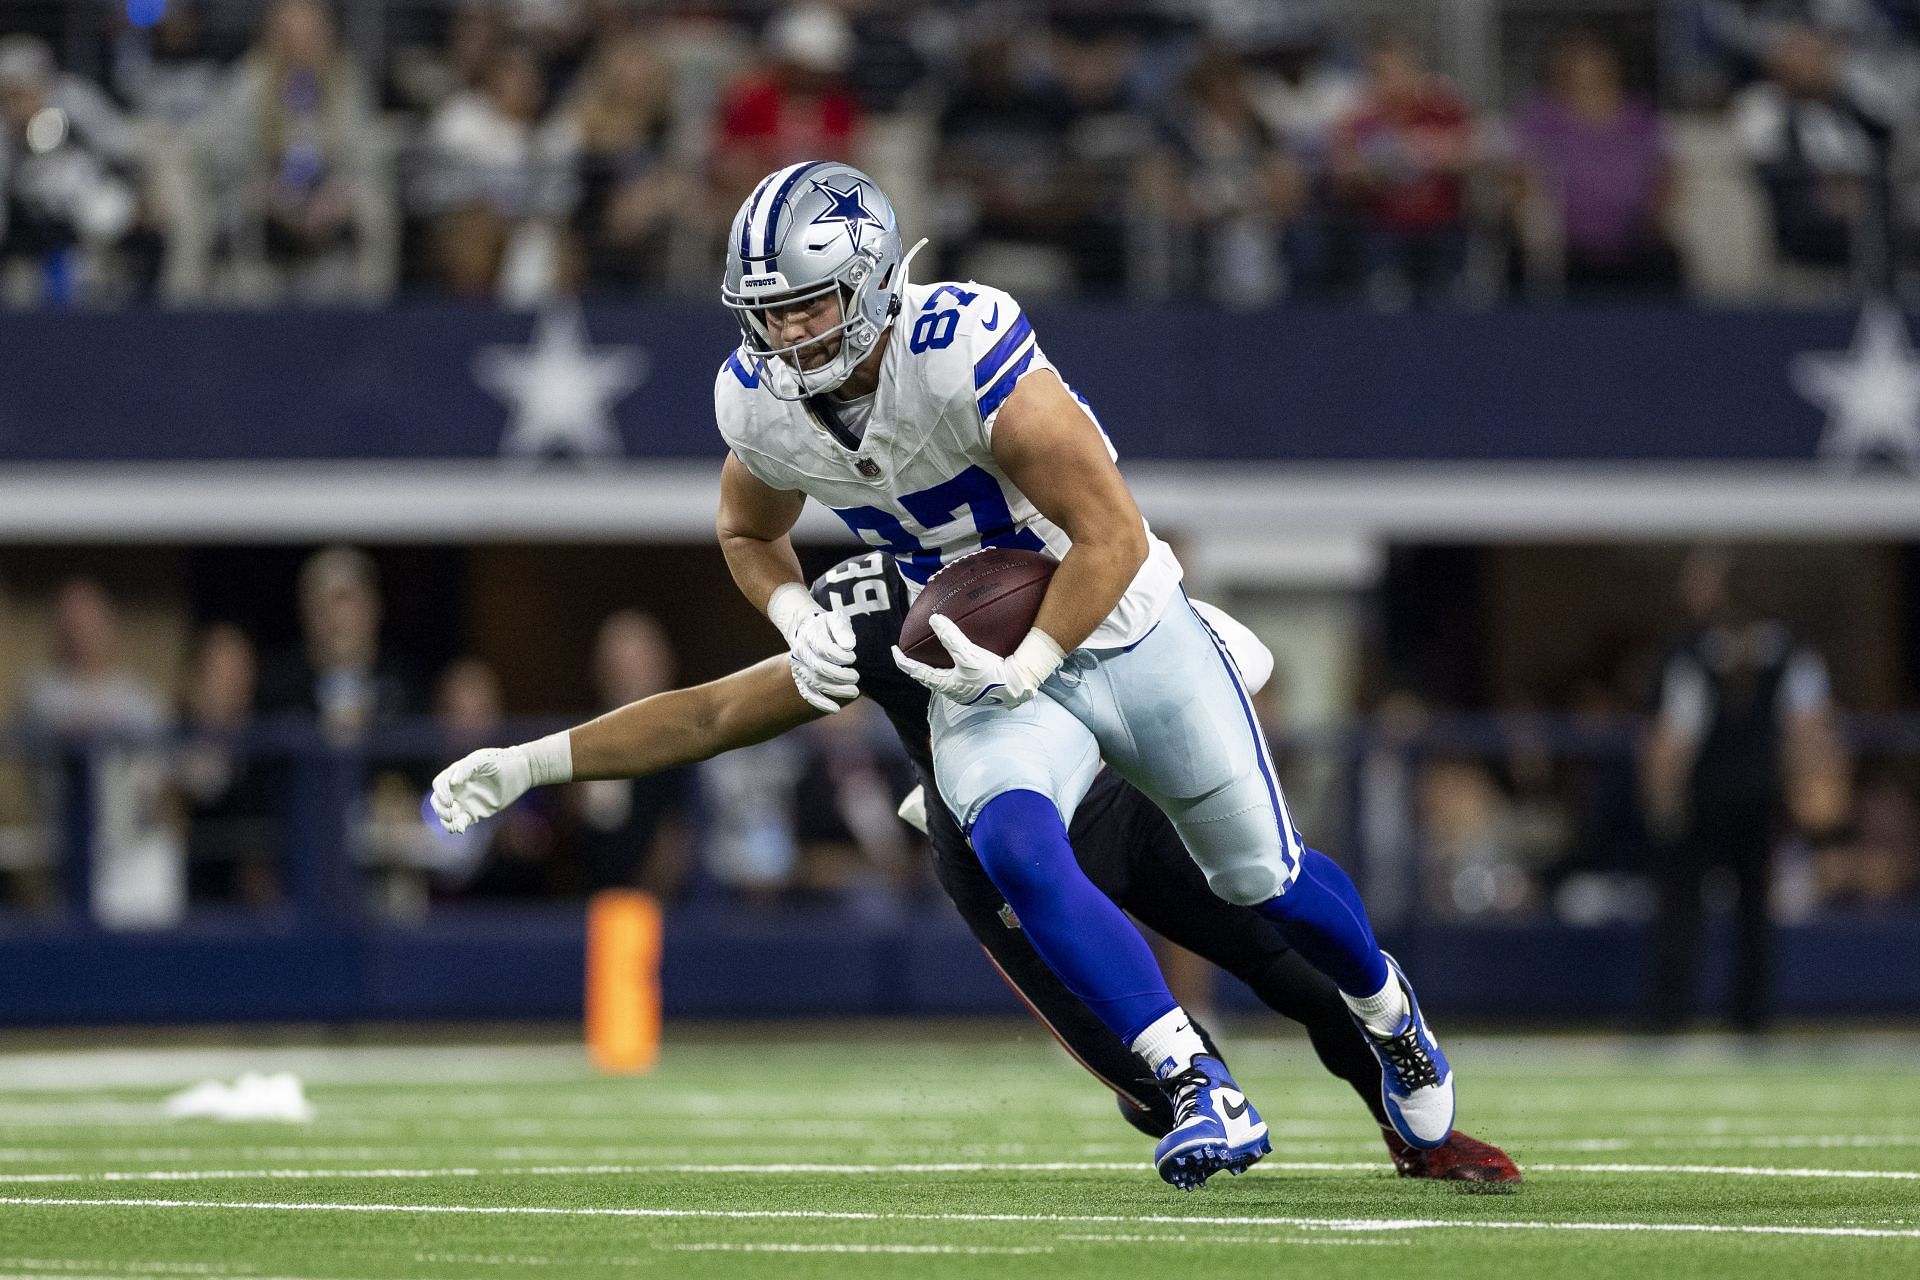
(669, 729)
(1055, 455)
(754, 523)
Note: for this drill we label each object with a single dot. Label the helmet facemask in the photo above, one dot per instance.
(780, 366)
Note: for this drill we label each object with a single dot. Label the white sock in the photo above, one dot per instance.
(1383, 1011)
(1170, 1044)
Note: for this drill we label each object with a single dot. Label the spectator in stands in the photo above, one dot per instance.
(1743, 743)
(850, 834)
(1299, 89)
(1470, 863)
(1222, 188)
(425, 75)
(1011, 199)
(795, 104)
(749, 845)
(1593, 165)
(293, 150)
(1302, 94)
(619, 128)
(1095, 57)
(632, 833)
(88, 702)
(87, 688)
(1402, 158)
(163, 72)
(225, 791)
(69, 193)
(340, 676)
(496, 185)
(1878, 862)
(1811, 147)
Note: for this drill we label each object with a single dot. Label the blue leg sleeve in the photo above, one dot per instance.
(1321, 916)
(1083, 937)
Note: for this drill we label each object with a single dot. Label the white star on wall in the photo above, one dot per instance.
(561, 390)
(1871, 393)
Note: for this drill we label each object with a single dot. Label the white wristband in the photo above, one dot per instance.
(550, 759)
(790, 605)
(1038, 657)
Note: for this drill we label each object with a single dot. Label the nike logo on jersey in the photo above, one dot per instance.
(992, 321)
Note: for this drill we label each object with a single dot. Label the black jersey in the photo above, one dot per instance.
(867, 591)
(1128, 850)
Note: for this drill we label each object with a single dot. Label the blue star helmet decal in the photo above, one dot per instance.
(847, 209)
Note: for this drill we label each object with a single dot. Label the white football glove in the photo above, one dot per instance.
(819, 645)
(479, 785)
(980, 676)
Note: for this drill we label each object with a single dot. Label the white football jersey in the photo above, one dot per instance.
(921, 481)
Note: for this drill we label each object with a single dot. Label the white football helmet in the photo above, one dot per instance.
(807, 230)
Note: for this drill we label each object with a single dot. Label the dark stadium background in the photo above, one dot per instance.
(1459, 510)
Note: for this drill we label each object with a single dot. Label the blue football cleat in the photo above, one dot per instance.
(1214, 1127)
(1416, 1083)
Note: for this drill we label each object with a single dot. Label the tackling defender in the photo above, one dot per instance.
(930, 421)
(1125, 845)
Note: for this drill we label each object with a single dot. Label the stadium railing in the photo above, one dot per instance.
(1468, 832)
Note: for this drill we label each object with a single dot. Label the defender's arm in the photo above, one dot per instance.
(669, 729)
(684, 725)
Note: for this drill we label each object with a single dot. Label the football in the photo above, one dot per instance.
(993, 596)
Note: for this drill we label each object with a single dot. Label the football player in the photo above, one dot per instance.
(928, 418)
(1125, 845)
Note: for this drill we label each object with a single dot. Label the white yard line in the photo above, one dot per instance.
(863, 1170)
(1365, 1225)
(1262, 1241)
(123, 1275)
(969, 1249)
(1731, 1170)
(130, 1268)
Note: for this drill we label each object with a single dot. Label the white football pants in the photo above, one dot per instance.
(1171, 715)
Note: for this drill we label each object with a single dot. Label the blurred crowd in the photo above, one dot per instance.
(1243, 151)
(1713, 756)
(1709, 760)
(195, 796)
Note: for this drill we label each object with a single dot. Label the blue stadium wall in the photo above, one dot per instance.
(1636, 384)
(527, 964)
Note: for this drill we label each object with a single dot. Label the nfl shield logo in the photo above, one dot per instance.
(867, 467)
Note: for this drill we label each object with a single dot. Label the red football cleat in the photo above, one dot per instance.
(1458, 1159)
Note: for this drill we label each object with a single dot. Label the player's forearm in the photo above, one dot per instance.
(661, 732)
(669, 729)
(1092, 578)
(760, 566)
(683, 726)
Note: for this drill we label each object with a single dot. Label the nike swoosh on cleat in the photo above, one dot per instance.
(992, 321)
(1234, 1110)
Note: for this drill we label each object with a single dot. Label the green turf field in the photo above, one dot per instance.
(978, 1152)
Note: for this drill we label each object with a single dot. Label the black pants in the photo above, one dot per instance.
(1740, 838)
(1132, 854)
